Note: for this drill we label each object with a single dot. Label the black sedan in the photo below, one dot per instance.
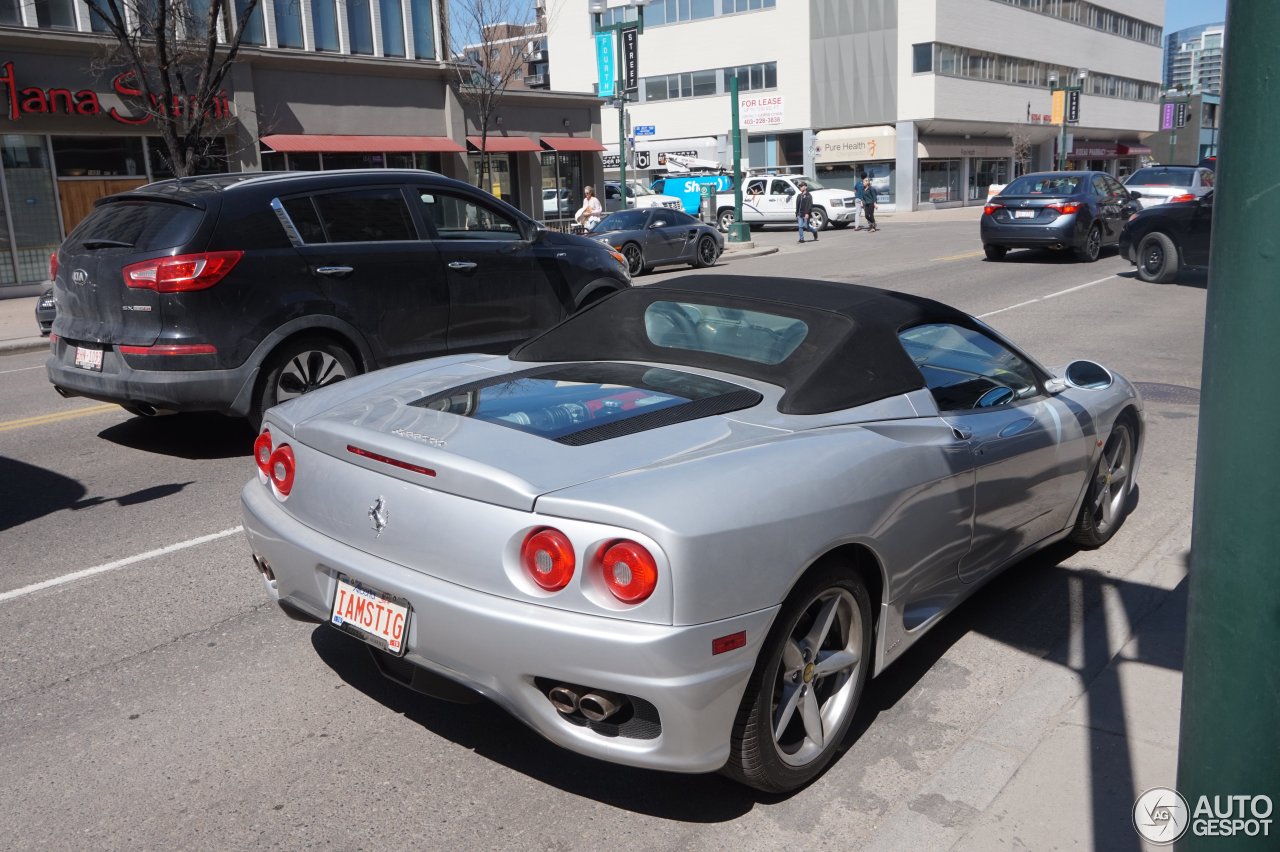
(45, 311)
(1081, 211)
(1162, 240)
(658, 237)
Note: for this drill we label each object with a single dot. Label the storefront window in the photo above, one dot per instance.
(985, 172)
(850, 175)
(399, 161)
(304, 162)
(33, 203)
(561, 184)
(352, 161)
(98, 156)
(429, 161)
(360, 27)
(939, 181)
(424, 39)
(324, 20)
(392, 27)
(9, 14)
(273, 161)
(495, 174)
(288, 23)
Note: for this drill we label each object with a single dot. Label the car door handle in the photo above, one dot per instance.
(464, 265)
(960, 433)
(335, 271)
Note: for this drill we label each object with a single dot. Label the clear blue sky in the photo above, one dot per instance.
(1180, 14)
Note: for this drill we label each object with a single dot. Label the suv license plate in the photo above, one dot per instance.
(372, 616)
(1024, 214)
(88, 359)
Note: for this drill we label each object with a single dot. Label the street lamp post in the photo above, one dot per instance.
(597, 8)
(1082, 74)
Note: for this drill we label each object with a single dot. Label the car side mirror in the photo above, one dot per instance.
(1085, 375)
(1134, 195)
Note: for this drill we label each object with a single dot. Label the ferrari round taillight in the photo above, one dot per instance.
(280, 469)
(262, 453)
(547, 555)
(630, 571)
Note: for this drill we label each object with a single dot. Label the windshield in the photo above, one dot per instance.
(623, 220)
(1160, 177)
(810, 182)
(638, 188)
(1044, 185)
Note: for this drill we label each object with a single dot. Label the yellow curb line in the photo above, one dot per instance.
(42, 419)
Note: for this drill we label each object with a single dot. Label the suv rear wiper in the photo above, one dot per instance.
(100, 242)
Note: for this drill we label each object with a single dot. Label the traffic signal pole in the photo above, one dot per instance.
(1230, 738)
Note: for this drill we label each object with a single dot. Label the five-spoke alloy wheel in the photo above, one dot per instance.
(1107, 500)
(806, 685)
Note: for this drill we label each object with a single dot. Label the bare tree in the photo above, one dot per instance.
(1020, 136)
(490, 41)
(176, 55)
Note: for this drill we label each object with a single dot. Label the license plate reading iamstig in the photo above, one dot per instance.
(1024, 214)
(375, 617)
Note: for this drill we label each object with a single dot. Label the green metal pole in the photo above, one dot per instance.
(739, 232)
(1230, 738)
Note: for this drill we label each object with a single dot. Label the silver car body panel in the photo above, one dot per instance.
(734, 507)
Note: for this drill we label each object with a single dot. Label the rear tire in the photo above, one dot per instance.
(297, 367)
(995, 252)
(1157, 258)
(1092, 247)
(706, 253)
(807, 683)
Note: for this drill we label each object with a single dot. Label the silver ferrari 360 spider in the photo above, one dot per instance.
(682, 528)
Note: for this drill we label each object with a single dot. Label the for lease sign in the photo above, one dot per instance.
(760, 110)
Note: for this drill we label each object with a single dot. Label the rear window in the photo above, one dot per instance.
(140, 225)
(1044, 185)
(751, 335)
(579, 404)
(1161, 177)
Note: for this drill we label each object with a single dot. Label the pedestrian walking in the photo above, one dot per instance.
(859, 216)
(804, 206)
(869, 201)
(590, 212)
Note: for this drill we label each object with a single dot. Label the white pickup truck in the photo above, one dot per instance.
(768, 199)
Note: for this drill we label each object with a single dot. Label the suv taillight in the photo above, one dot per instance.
(53, 266)
(181, 273)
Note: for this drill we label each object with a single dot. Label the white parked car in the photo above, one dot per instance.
(1164, 184)
(638, 196)
(772, 199)
(556, 203)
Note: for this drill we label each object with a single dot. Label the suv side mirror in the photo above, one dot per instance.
(1134, 195)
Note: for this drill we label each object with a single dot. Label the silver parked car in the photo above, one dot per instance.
(681, 529)
(1155, 185)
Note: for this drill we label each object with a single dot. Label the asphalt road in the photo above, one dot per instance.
(150, 698)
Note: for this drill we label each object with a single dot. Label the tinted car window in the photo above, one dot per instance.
(1100, 187)
(142, 225)
(780, 187)
(302, 212)
(961, 367)
(623, 220)
(365, 216)
(1043, 185)
(458, 218)
(750, 335)
(1116, 187)
(1161, 177)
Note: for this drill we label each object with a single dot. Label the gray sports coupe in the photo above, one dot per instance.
(682, 528)
(658, 236)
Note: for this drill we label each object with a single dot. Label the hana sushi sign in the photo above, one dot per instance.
(34, 100)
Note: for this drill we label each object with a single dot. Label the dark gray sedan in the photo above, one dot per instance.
(1080, 211)
(659, 237)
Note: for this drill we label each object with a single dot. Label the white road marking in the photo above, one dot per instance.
(119, 563)
(22, 369)
(1050, 296)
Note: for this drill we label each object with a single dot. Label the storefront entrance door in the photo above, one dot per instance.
(78, 194)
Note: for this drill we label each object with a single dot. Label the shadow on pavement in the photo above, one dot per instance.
(197, 436)
(32, 492)
(1065, 257)
(1197, 278)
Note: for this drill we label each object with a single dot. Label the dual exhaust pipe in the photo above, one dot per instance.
(596, 705)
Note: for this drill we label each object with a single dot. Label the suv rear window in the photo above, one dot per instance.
(137, 224)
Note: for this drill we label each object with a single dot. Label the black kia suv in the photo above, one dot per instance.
(231, 293)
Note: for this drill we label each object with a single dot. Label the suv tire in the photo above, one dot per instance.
(297, 367)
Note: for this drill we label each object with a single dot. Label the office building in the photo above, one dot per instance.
(1193, 59)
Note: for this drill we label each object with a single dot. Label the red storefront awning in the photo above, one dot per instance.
(321, 144)
(505, 144)
(572, 143)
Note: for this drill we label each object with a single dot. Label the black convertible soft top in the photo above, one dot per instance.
(850, 356)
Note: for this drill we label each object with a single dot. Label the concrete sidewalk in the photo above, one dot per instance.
(18, 329)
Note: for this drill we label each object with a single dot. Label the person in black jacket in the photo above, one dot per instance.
(804, 206)
(869, 200)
